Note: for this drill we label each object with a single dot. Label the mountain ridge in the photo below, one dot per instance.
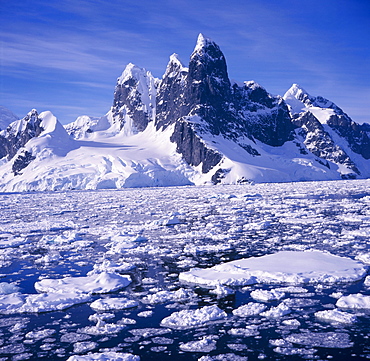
(192, 126)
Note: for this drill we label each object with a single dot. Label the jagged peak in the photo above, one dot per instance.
(203, 44)
(174, 64)
(31, 114)
(131, 71)
(297, 92)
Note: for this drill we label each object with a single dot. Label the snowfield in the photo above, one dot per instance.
(260, 271)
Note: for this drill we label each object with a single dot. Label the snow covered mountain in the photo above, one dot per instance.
(193, 126)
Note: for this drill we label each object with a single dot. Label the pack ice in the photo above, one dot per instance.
(291, 267)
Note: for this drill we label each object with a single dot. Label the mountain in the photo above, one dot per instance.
(6, 117)
(192, 126)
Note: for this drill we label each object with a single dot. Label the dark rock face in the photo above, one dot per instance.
(355, 134)
(319, 142)
(192, 148)
(128, 100)
(22, 161)
(19, 133)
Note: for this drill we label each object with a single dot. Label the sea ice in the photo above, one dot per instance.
(266, 296)
(193, 318)
(105, 356)
(206, 344)
(355, 301)
(166, 296)
(321, 339)
(7, 288)
(335, 316)
(23, 303)
(291, 267)
(108, 304)
(276, 312)
(250, 309)
(97, 283)
(248, 331)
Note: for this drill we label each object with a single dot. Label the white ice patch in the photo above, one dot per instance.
(105, 356)
(321, 339)
(355, 301)
(21, 303)
(335, 316)
(266, 296)
(99, 283)
(193, 318)
(206, 344)
(250, 309)
(108, 304)
(111, 267)
(167, 296)
(285, 267)
(7, 288)
(276, 312)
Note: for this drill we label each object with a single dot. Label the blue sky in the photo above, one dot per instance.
(65, 56)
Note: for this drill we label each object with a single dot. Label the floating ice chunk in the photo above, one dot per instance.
(206, 344)
(193, 318)
(73, 337)
(367, 281)
(291, 323)
(96, 317)
(145, 314)
(257, 226)
(102, 328)
(100, 283)
(335, 316)
(108, 304)
(222, 291)
(149, 332)
(111, 267)
(321, 339)
(266, 296)
(283, 267)
(105, 356)
(19, 303)
(355, 301)
(224, 357)
(276, 312)
(250, 309)
(84, 346)
(8, 288)
(203, 249)
(292, 289)
(364, 258)
(166, 296)
(13, 242)
(39, 335)
(248, 331)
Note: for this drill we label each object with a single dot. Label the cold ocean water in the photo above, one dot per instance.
(150, 236)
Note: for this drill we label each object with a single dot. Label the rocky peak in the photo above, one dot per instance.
(134, 99)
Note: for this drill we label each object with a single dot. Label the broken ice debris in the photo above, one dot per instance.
(193, 318)
(96, 283)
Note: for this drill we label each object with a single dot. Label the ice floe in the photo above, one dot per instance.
(321, 339)
(193, 318)
(250, 309)
(97, 283)
(335, 316)
(206, 344)
(284, 267)
(355, 301)
(266, 296)
(32, 303)
(105, 356)
(108, 304)
(166, 296)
